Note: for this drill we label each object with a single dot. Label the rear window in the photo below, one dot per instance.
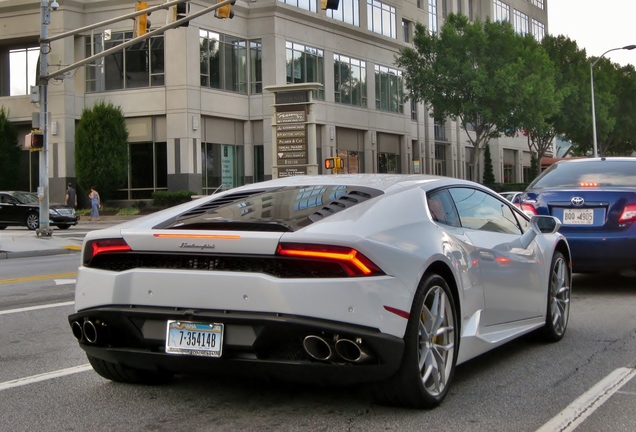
(597, 172)
(278, 209)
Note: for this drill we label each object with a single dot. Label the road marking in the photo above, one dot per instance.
(45, 376)
(579, 410)
(65, 281)
(34, 278)
(32, 308)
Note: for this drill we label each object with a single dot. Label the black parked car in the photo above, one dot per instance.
(23, 209)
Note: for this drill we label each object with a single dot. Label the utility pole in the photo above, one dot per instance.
(44, 230)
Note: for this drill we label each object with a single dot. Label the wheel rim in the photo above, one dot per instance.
(559, 296)
(436, 340)
(32, 221)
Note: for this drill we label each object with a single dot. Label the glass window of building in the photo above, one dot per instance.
(538, 3)
(222, 167)
(388, 163)
(439, 127)
(432, 16)
(420, 4)
(444, 8)
(521, 22)
(502, 11)
(469, 159)
(350, 82)
(141, 181)
(538, 30)
(139, 65)
(306, 64)
(389, 91)
(353, 161)
(223, 62)
(413, 109)
(348, 12)
(381, 18)
(256, 67)
(309, 5)
(22, 68)
(406, 31)
(439, 165)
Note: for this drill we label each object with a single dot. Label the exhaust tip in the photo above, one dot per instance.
(317, 347)
(77, 330)
(351, 351)
(90, 331)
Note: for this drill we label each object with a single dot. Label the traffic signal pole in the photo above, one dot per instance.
(44, 230)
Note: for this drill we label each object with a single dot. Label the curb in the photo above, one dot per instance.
(37, 253)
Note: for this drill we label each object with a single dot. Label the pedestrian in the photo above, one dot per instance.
(95, 204)
(71, 196)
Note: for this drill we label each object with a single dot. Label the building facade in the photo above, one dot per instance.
(197, 113)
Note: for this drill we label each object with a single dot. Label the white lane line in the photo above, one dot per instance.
(43, 377)
(579, 410)
(64, 281)
(31, 308)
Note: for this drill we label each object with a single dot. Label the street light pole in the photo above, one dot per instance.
(628, 47)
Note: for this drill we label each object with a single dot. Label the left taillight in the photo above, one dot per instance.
(629, 214)
(102, 246)
(352, 261)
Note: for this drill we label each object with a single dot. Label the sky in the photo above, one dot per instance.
(596, 26)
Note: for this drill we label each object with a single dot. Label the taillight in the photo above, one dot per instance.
(528, 208)
(353, 262)
(629, 214)
(96, 247)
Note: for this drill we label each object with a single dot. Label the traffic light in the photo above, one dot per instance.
(142, 23)
(329, 4)
(225, 11)
(37, 139)
(181, 11)
(334, 163)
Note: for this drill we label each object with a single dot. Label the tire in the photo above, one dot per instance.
(558, 308)
(124, 374)
(431, 344)
(63, 227)
(32, 221)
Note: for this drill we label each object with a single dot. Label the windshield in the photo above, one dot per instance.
(588, 173)
(26, 198)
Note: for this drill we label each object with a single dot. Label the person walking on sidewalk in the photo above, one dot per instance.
(71, 196)
(95, 204)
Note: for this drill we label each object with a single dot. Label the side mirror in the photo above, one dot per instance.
(545, 224)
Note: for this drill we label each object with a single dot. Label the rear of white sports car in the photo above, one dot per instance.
(307, 283)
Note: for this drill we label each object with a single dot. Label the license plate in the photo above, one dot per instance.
(578, 216)
(193, 338)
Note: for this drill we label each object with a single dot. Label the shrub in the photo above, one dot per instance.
(163, 199)
(139, 205)
(128, 211)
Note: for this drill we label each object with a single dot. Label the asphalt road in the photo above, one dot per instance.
(45, 383)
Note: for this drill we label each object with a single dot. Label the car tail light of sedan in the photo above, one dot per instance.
(529, 208)
(353, 262)
(629, 214)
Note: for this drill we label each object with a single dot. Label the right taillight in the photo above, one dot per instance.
(629, 214)
(528, 208)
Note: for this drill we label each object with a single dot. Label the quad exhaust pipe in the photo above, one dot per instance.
(352, 351)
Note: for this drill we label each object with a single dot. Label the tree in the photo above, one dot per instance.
(481, 74)
(620, 140)
(489, 175)
(101, 149)
(9, 152)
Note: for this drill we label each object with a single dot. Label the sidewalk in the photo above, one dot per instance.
(19, 242)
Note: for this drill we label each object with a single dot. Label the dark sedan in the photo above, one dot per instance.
(23, 209)
(595, 199)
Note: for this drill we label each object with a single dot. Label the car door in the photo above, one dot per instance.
(509, 272)
(7, 208)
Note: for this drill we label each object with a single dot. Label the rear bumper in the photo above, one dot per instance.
(597, 252)
(254, 343)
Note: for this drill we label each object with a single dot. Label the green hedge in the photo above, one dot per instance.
(164, 199)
